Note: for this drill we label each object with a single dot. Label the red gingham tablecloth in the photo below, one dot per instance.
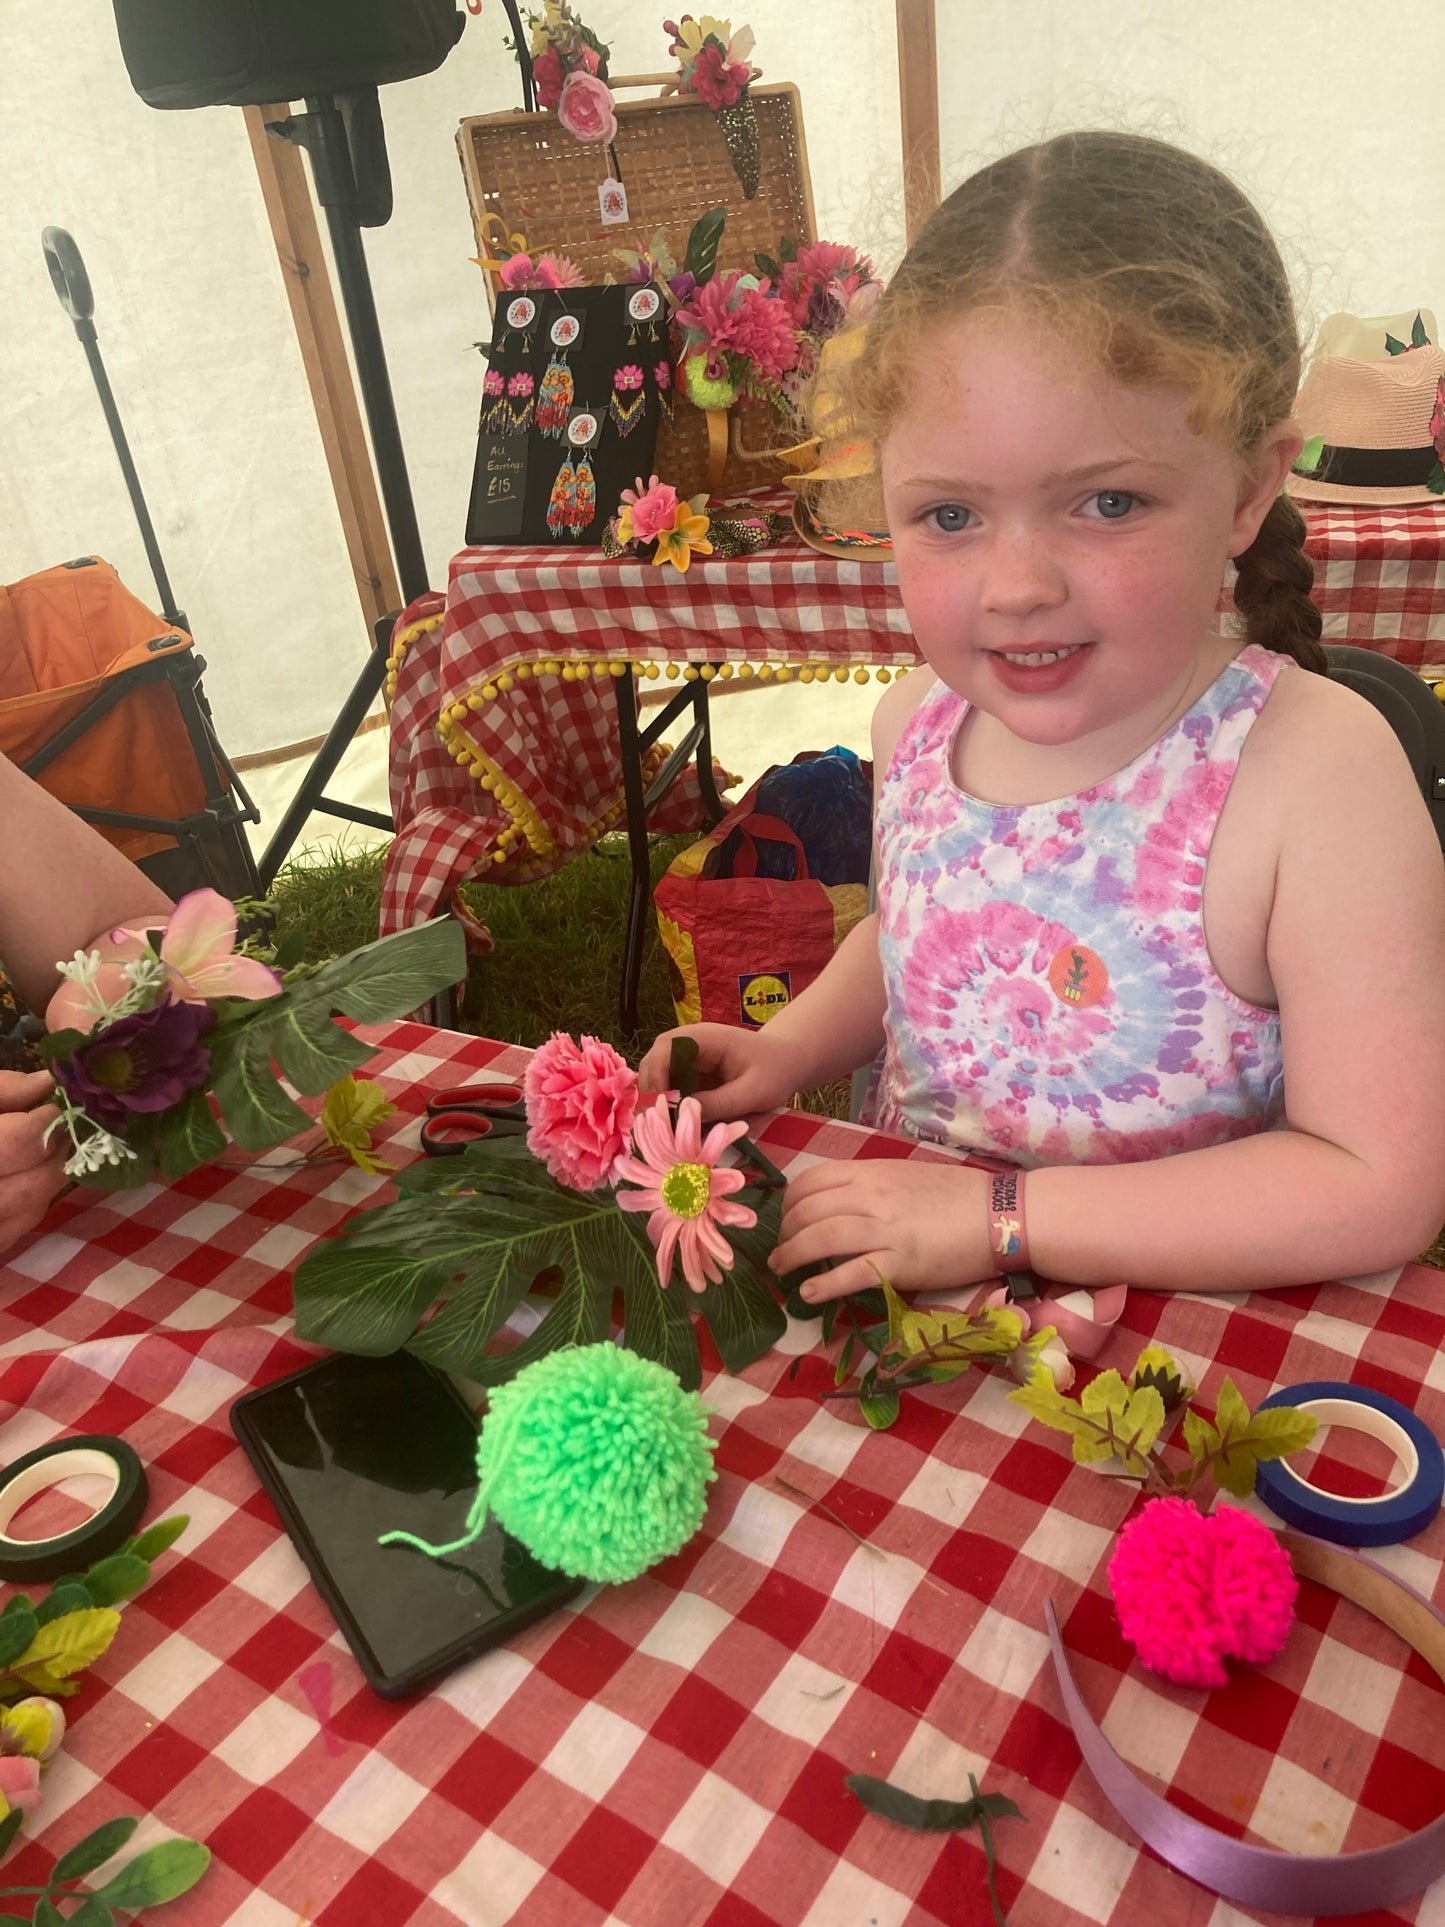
(671, 1753)
(494, 764)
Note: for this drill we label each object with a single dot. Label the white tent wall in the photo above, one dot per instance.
(1320, 114)
(198, 341)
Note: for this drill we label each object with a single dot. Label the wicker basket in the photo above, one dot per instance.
(524, 172)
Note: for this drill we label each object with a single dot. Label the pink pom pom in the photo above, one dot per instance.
(1191, 1591)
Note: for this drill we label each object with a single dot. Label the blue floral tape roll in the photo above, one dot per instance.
(1407, 1508)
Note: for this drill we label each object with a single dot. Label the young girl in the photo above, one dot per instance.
(1161, 914)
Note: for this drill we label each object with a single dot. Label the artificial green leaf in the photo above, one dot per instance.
(845, 1358)
(289, 952)
(700, 261)
(580, 1315)
(1435, 480)
(66, 1596)
(657, 1324)
(682, 1066)
(92, 1912)
(59, 1043)
(1418, 336)
(17, 1632)
(1392, 346)
(1043, 1400)
(1200, 1436)
(65, 1645)
(1235, 1470)
(766, 265)
(257, 1111)
(94, 1850)
(927, 1816)
(18, 1602)
(314, 1055)
(191, 1137)
(159, 1538)
(9, 1827)
(787, 248)
(1309, 457)
(1282, 1429)
(47, 1914)
(366, 1289)
(1231, 1414)
(119, 1577)
(1132, 1421)
(880, 1409)
(743, 1315)
(160, 1873)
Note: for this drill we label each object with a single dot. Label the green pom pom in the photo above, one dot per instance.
(597, 1460)
(703, 393)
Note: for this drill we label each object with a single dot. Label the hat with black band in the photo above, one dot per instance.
(1371, 422)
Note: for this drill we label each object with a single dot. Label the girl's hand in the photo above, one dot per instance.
(31, 1172)
(924, 1226)
(740, 1072)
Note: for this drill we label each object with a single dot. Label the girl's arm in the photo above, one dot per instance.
(1355, 1179)
(62, 887)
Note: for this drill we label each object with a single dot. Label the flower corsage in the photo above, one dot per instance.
(192, 1017)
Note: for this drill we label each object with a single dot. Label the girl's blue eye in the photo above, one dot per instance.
(950, 518)
(1114, 503)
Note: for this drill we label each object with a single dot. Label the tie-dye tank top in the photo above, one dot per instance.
(1051, 999)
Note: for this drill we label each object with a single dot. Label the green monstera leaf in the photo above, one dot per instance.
(441, 1270)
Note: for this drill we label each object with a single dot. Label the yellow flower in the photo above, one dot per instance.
(692, 33)
(353, 1107)
(624, 523)
(688, 535)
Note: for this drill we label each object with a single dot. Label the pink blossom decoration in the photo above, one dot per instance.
(686, 1190)
(581, 1098)
(1191, 1590)
(547, 78)
(493, 383)
(198, 950)
(520, 271)
(627, 378)
(733, 314)
(20, 1781)
(520, 384)
(585, 108)
(653, 507)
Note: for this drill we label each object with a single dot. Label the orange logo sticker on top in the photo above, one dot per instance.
(1078, 976)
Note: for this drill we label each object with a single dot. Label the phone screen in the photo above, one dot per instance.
(351, 1448)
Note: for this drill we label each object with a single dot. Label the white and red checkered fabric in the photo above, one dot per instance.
(1380, 582)
(671, 1753)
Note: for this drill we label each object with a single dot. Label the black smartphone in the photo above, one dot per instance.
(350, 1448)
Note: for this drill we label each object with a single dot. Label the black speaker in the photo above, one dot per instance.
(239, 53)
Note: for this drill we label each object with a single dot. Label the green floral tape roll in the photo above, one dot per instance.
(92, 1455)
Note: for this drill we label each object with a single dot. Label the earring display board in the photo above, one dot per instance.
(577, 381)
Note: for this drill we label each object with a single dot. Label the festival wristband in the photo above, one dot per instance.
(1407, 1508)
(1318, 1885)
(94, 1456)
(1008, 1238)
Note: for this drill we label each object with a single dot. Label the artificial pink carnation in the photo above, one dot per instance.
(653, 505)
(1437, 419)
(827, 268)
(1191, 1590)
(686, 1191)
(725, 318)
(585, 107)
(547, 78)
(580, 1099)
(520, 271)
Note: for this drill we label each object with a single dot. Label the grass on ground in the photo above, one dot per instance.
(557, 963)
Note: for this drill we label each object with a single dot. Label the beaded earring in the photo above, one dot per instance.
(662, 378)
(520, 401)
(554, 399)
(560, 502)
(628, 399)
(493, 402)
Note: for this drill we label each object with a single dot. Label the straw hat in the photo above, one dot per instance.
(1370, 401)
(836, 454)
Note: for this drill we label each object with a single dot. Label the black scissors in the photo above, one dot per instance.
(466, 1113)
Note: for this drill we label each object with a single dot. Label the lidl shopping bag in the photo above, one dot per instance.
(740, 947)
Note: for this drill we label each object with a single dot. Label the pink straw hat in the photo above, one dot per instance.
(1374, 417)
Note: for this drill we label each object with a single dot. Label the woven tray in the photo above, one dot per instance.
(538, 182)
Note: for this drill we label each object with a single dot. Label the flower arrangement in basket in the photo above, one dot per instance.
(189, 1016)
(713, 64)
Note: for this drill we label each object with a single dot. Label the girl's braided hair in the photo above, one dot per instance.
(1146, 259)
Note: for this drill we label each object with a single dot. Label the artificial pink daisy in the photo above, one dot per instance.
(686, 1190)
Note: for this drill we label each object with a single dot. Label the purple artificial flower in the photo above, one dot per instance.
(142, 1063)
(682, 286)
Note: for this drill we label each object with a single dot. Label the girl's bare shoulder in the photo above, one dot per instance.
(895, 707)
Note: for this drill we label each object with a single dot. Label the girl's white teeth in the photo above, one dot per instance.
(1042, 656)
